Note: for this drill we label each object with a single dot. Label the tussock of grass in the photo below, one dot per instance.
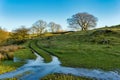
(58, 76)
(7, 52)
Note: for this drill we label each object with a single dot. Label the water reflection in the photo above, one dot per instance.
(36, 69)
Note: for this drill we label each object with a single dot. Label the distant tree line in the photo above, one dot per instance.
(37, 29)
(40, 27)
(82, 21)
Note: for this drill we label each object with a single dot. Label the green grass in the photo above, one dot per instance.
(63, 77)
(24, 54)
(9, 65)
(85, 49)
(45, 55)
(77, 49)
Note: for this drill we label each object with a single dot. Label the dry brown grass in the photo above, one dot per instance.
(7, 52)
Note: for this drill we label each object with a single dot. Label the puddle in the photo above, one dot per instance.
(36, 69)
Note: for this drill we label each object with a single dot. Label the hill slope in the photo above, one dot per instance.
(92, 49)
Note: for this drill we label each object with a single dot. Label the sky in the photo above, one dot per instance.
(14, 13)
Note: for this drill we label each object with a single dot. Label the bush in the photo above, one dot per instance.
(1, 57)
(7, 52)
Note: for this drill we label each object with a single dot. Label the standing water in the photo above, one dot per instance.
(36, 69)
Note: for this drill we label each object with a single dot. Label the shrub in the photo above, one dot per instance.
(7, 52)
(1, 57)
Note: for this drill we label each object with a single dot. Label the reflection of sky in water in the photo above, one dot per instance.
(36, 69)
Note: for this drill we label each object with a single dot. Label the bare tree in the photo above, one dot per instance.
(58, 27)
(82, 20)
(54, 27)
(40, 26)
(33, 30)
(20, 34)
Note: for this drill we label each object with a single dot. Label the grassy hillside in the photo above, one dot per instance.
(98, 48)
(94, 49)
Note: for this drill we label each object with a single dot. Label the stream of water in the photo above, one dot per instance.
(36, 69)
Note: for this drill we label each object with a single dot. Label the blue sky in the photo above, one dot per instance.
(14, 13)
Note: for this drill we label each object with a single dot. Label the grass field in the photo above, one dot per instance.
(9, 65)
(95, 49)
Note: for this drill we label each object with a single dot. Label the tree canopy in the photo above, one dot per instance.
(54, 27)
(39, 26)
(82, 20)
(20, 34)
